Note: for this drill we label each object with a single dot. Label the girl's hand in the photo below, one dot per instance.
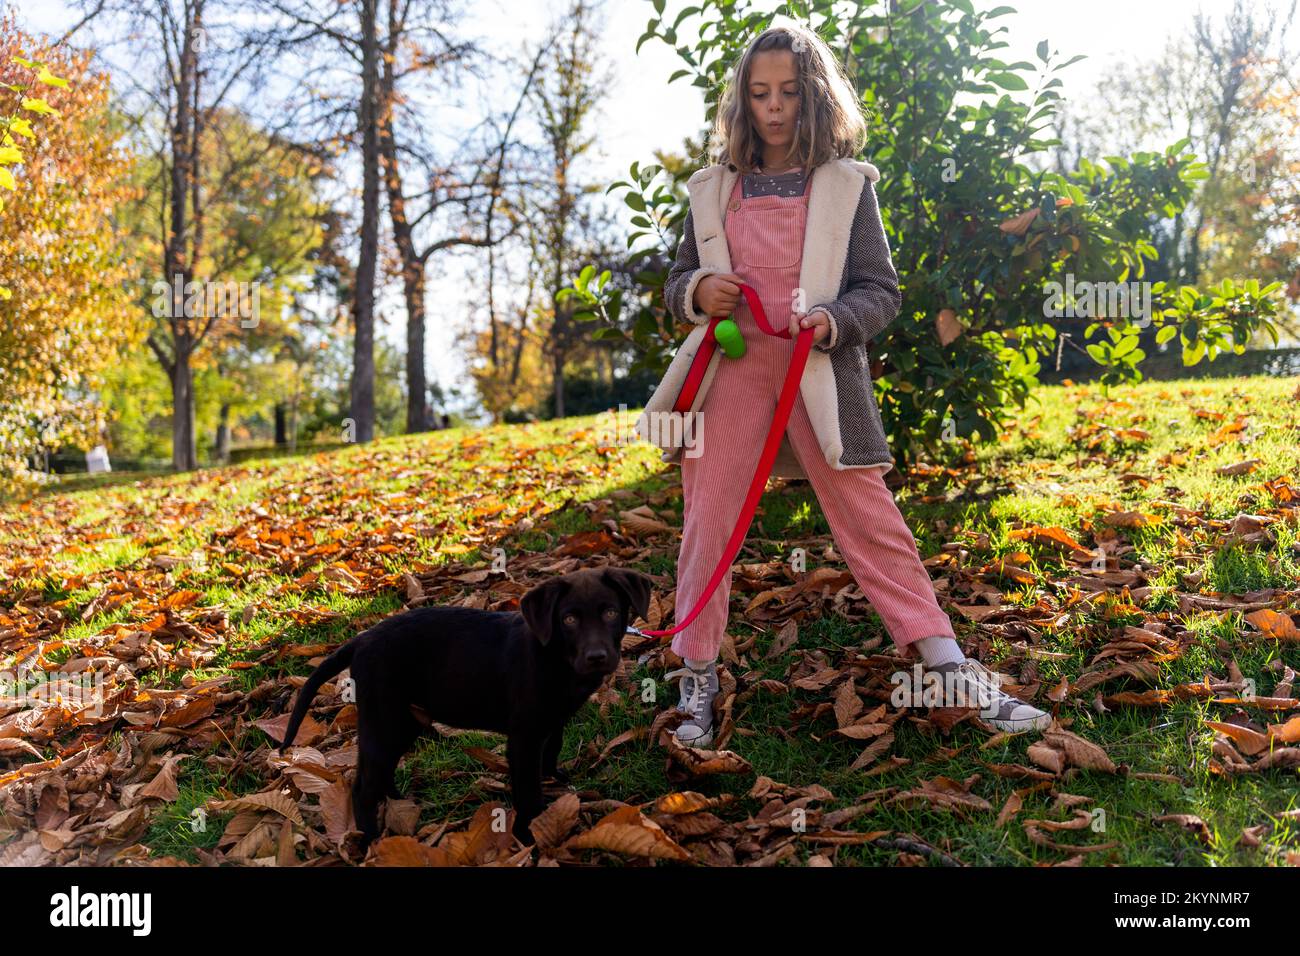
(816, 321)
(718, 294)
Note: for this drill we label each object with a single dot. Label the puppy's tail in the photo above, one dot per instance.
(330, 667)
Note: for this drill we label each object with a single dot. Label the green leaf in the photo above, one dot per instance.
(1008, 81)
(1042, 50)
(684, 14)
(1166, 333)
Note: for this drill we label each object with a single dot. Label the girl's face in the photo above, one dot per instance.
(774, 98)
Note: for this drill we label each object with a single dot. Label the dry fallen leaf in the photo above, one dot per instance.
(628, 832)
(1275, 625)
(163, 786)
(948, 326)
(553, 824)
(1240, 467)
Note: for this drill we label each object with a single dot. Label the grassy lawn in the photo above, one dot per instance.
(200, 599)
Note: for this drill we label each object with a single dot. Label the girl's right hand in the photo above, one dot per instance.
(718, 294)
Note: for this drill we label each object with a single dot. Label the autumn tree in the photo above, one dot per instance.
(194, 59)
(64, 313)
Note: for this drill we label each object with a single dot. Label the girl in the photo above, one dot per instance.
(787, 129)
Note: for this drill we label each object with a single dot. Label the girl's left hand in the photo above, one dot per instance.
(817, 321)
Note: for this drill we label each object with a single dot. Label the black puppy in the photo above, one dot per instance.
(521, 673)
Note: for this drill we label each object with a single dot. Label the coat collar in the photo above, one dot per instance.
(832, 184)
(832, 203)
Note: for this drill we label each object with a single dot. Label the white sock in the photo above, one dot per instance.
(697, 665)
(939, 650)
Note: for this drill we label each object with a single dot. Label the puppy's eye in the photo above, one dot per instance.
(610, 613)
(570, 620)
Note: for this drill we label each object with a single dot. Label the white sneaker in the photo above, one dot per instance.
(698, 690)
(977, 686)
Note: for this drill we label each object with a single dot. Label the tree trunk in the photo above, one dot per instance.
(362, 389)
(177, 264)
(281, 425)
(184, 451)
(559, 325)
(416, 383)
(221, 448)
(293, 409)
(412, 263)
(557, 373)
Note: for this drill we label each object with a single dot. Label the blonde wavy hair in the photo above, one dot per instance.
(831, 124)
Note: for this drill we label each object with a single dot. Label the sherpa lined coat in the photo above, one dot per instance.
(846, 272)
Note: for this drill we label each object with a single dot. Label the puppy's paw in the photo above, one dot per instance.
(558, 775)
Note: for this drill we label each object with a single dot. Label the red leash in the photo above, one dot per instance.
(789, 390)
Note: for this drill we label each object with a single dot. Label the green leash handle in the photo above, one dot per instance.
(727, 334)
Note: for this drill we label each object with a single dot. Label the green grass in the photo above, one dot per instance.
(450, 497)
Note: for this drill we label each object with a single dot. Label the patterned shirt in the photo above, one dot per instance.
(790, 183)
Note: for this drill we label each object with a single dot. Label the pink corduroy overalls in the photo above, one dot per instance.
(765, 238)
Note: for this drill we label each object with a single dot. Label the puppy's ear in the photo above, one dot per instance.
(538, 608)
(633, 585)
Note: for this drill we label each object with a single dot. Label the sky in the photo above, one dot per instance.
(645, 112)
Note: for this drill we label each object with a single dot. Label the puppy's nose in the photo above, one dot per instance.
(597, 658)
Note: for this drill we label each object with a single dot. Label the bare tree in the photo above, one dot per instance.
(307, 30)
(362, 389)
(417, 48)
(565, 95)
